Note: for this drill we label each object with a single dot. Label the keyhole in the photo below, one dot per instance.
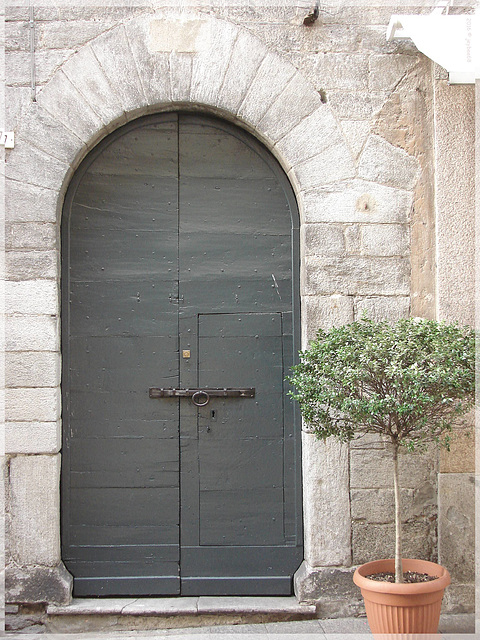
(212, 413)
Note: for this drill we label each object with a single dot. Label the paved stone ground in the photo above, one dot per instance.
(452, 627)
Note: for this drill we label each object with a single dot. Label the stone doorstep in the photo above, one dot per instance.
(137, 613)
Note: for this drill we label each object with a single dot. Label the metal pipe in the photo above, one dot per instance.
(32, 55)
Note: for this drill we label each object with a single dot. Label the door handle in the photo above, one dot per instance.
(201, 397)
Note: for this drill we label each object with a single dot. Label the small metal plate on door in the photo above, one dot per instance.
(186, 354)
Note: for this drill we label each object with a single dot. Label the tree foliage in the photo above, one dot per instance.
(409, 381)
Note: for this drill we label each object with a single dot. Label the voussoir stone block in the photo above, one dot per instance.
(247, 55)
(269, 81)
(381, 162)
(357, 201)
(63, 101)
(49, 133)
(287, 112)
(151, 62)
(326, 502)
(114, 54)
(34, 509)
(315, 133)
(31, 297)
(86, 75)
(209, 65)
(331, 164)
(180, 69)
(30, 165)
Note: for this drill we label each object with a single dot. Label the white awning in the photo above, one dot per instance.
(452, 41)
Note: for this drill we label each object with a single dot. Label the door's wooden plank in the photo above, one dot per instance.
(120, 536)
(125, 507)
(140, 586)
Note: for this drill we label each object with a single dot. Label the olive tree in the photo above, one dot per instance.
(408, 382)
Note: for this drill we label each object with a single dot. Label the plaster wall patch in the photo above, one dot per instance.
(189, 36)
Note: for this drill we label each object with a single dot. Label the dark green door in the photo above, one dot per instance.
(180, 272)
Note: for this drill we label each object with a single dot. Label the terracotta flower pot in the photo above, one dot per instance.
(402, 608)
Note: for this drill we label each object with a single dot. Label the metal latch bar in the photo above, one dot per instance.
(155, 392)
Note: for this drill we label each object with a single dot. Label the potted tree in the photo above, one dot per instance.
(408, 383)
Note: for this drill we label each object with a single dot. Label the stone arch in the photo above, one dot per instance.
(171, 60)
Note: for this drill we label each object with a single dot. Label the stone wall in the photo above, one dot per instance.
(350, 118)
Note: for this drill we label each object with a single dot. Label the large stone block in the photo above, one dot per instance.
(64, 102)
(33, 437)
(34, 510)
(459, 598)
(330, 588)
(180, 76)
(322, 239)
(377, 505)
(385, 240)
(456, 525)
(356, 275)
(40, 236)
(326, 502)
(356, 133)
(357, 201)
(38, 584)
(32, 333)
(31, 265)
(342, 71)
(349, 105)
(31, 297)
(375, 541)
(386, 71)
(390, 308)
(25, 202)
(32, 369)
(325, 312)
(246, 57)
(382, 162)
(372, 468)
(18, 66)
(461, 457)
(68, 34)
(32, 405)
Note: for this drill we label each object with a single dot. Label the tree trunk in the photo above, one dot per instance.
(398, 519)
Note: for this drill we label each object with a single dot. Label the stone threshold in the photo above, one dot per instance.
(111, 614)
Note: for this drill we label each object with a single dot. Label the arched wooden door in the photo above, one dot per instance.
(180, 273)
